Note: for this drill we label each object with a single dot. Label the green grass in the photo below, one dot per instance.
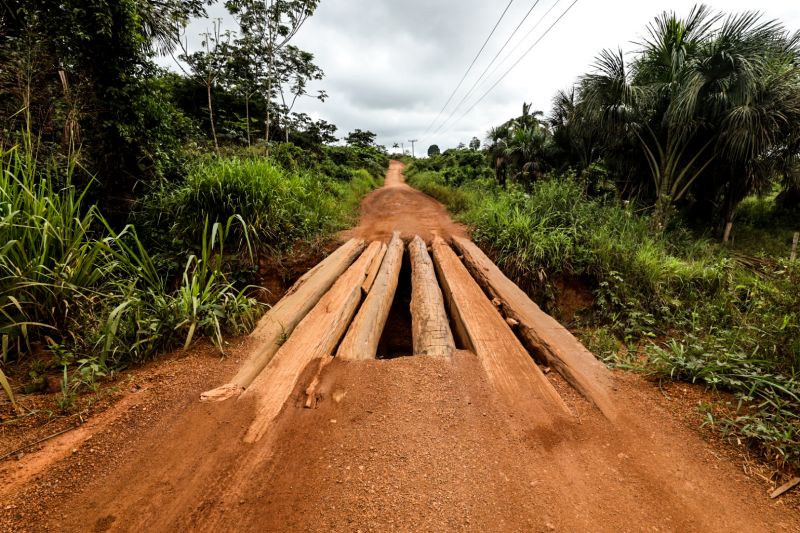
(279, 207)
(761, 229)
(99, 299)
(696, 309)
(94, 297)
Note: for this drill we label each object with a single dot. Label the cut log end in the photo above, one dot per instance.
(279, 322)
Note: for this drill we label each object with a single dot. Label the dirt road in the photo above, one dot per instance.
(401, 444)
(398, 207)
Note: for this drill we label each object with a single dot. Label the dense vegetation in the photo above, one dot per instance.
(704, 114)
(671, 304)
(625, 190)
(135, 203)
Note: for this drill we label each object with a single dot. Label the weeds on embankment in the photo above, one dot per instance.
(84, 299)
(685, 307)
(92, 297)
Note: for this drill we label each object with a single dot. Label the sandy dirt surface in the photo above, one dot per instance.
(398, 207)
(402, 444)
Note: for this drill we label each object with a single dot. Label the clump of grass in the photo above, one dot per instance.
(457, 199)
(277, 206)
(766, 413)
(93, 296)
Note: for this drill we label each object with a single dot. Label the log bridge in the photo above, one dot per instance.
(459, 300)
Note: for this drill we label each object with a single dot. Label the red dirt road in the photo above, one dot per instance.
(404, 444)
(398, 207)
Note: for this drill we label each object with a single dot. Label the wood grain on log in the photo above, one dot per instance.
(541, 333)
(279, 322)
(361, 340)
(508, 365)
(316, 336)
(430, 329)
(373, 269)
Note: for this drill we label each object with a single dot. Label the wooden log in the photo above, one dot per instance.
(279, 322)
(508, 365)
(541, 333)
(430, 330)
(373, 269)
(316, 336)
(361, 340)
(789, 485)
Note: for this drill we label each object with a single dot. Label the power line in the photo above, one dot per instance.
(497, 67)
(470, 67)
(516, 46)
(471, 89)
(511, 53)
(517, 62)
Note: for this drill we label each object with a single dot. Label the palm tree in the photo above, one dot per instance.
(711, 103)
(525, 151)
(497, 139)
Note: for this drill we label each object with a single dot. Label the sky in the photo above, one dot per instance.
(391, 66)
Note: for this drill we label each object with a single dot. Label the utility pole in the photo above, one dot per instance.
(412, 141)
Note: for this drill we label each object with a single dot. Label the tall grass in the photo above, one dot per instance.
(278, 206)
(92, 297)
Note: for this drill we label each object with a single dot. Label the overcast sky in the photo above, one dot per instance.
(390, 66)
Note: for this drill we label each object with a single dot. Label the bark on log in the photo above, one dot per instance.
(279, 322)
(508, 365)
(361, 340)
(373, 269)
(541, 333)
(316, 336)
(430, 329)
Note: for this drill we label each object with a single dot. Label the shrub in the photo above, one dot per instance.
(278, 206)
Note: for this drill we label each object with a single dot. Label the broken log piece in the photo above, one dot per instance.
(361, 340)
(789, 485)
(508, 365)
(541, 333)
(373, 269)
(316, 336)
(430, 330)
(279, 322)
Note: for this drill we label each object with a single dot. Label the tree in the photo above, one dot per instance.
(475, 144)
(710, 107)
(271, 24)
(82, 72)
(497, 138)
(208, 65)
(520, 144)
(245, 70)
(295, 70)
(574, 140)
(363, 139)
(433, 150)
